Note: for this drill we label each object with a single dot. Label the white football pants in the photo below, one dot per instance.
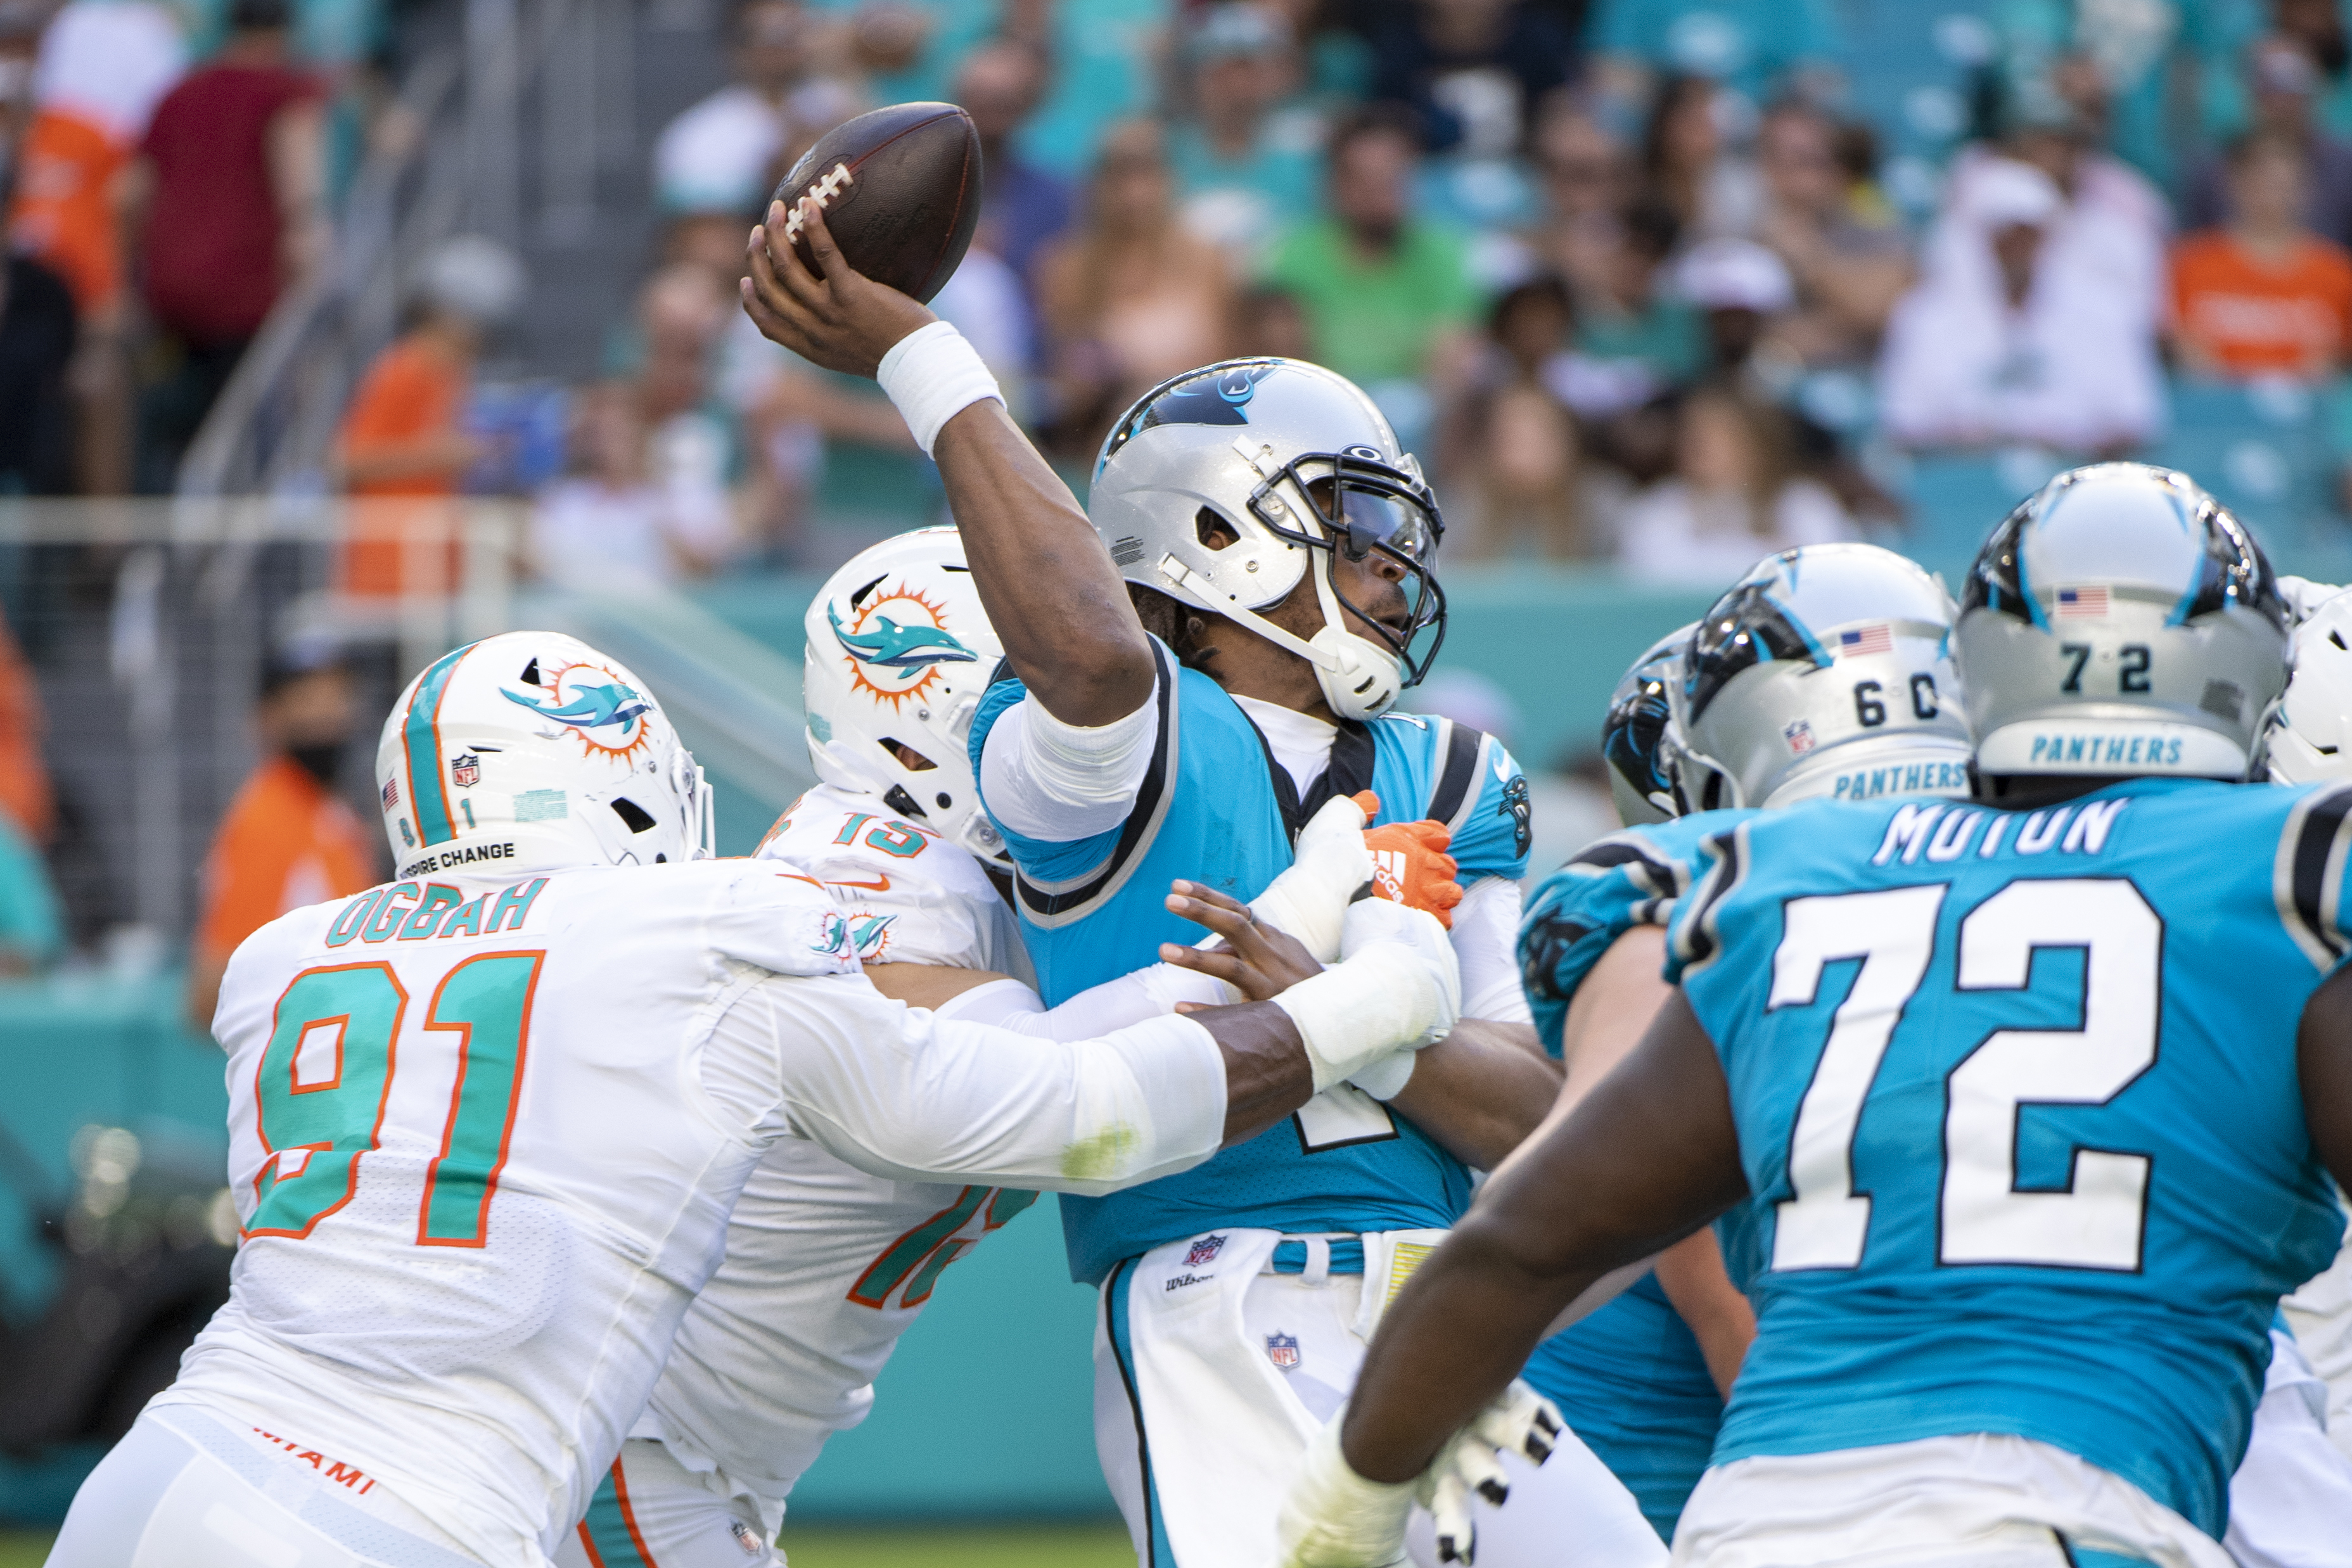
(1211, 1375)
(2291, 1500)
(1978, 1502)
(650, 1512)
(184, 1491)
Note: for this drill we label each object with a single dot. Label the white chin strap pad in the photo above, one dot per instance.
(1360, 679)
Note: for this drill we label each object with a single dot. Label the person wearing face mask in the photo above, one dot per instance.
(287, 839)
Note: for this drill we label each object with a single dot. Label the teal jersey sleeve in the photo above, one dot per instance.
(1629, 878)
(2016, 1101)
(1492, 840)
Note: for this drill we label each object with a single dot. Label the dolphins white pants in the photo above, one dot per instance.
(1212, 1370)
(184, 1490)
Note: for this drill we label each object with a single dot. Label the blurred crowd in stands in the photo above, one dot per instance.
(1668, 284)
(1634, 277)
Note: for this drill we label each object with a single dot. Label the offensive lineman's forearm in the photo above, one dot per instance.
(1652, 1156)
(1481, 1091)
(1050, 588)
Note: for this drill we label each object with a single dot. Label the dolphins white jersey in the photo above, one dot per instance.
(485, 1140)
(826, 1266)
(911, 896)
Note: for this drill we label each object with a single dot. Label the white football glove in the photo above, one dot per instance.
(1397, 989)
(1333, 1518)
(1520, 1421)
(1329, 868)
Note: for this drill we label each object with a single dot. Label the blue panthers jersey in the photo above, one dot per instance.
(1612, 884)
(1216, 808)
(1631, 1378)
(2017, 1102)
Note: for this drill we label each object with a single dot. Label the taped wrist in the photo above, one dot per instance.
(1383, 1000)
(931, 375)
(1331, 866)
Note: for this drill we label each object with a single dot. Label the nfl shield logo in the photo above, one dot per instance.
(466, 771)
(1203, 1249)
(1799, 737)
(1282, 1349)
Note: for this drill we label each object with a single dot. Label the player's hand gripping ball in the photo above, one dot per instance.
(899, 189)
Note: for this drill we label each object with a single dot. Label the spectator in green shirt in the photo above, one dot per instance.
(1389, 301)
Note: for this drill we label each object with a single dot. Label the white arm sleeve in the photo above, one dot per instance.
(1058, 783)
(1100, 1009)
(1486, 944)
(901, 1093)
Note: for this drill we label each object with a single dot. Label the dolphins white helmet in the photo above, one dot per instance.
(2120, 622)
(900, 651)
(1634, 739)
(2309, 736)
(532, 751)
(1282, 463)
(1826, 671)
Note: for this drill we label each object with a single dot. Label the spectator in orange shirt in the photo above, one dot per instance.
(25, 797)
(2264, 296)
(288, 841)
(403, 436)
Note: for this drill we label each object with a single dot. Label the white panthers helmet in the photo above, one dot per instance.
(2120, 622)
(1294, 462)
(534, 752)
(900, 651)
(1825, 672)
(2309, 738)
(1633, 738)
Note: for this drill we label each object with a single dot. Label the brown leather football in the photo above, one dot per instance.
(900, 190)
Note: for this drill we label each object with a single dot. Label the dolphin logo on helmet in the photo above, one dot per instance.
(594, 708)
(897, 647)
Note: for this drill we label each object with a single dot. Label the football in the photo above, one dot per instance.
(900, 190)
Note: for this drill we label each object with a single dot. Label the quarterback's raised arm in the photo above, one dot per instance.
(1050, 588)
(939, 1098)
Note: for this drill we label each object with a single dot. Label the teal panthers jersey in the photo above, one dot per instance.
(2017, 1102)
(1612, 884)
(1216, 808)
(1631, 1378)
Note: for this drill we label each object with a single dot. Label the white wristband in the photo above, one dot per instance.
(932, 374)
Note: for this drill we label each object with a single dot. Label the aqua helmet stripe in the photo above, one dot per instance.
(420, 737)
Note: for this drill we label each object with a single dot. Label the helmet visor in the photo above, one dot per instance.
(1362, 510)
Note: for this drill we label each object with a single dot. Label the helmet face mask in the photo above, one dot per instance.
(899, 653)
(2121, 623)
(1299, 468)
(1635, 739)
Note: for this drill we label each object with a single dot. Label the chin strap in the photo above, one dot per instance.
(1342, 660)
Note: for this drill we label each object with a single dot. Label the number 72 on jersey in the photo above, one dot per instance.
(2096, 1222)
